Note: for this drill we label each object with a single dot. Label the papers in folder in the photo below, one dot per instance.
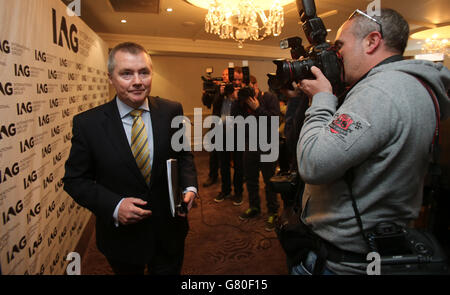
(174, 187)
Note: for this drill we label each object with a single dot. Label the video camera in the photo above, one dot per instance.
(320, 54)
(210, 83)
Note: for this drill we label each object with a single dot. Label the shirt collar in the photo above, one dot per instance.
(125, 109)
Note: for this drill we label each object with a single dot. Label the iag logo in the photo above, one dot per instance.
(12, 211)
(47, 150)
(9, 172)
(24, 108)
(34, 212)
(27, 181)
(6, 88)
(52, 74)
(67, 137)
(54, 103)
(61, 211)
(57, 158)
(22, 70)
(4, 47)
(55, 131)
(26, 144)
(59, 185)
(47, 180)
(36, 244)
(70, 34)
(44, 120)
(64, 88)
(52, 236)
(8, 130)
(40, 56)
(16, 249)
(50, 209)
(65, 113)
(41, 88)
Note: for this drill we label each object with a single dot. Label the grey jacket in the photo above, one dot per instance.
(383, 131)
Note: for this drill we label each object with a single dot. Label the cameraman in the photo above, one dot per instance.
(252, 102)
(214, 88)
(375, 145)
(222, 108)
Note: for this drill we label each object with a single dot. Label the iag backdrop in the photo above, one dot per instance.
(52, 66)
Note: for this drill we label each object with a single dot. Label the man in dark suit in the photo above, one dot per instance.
(117, 170)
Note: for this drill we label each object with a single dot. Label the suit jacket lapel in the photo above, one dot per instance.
(154, 114)
(114, 131)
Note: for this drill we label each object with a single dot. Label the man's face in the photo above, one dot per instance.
(132, 77)
(225, 76)
(238, 79)
(352, 52)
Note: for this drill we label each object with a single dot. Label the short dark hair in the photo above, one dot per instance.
(129, 47)
(395, 28)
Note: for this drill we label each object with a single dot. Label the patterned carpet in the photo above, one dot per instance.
(218, 242)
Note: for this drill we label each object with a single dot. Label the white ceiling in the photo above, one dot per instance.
(187, 21)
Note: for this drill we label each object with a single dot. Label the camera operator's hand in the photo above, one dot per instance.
(234, 95)
(253, 103)
(312, 87)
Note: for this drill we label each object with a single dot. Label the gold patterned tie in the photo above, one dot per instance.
(139, 144)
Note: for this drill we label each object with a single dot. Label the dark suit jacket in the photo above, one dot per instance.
(101, 170)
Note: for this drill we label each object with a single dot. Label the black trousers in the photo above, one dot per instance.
(225, 171)
(252, 167)
(162, 263)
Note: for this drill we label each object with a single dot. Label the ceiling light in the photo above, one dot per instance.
(263, 4)
(436, 40)
(169, 9)
(124, 21)
(243, 19)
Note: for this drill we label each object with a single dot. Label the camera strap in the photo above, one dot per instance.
(434, 169)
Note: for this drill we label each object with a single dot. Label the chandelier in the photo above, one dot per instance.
(434, 45)
(435, 40)
(243, 19)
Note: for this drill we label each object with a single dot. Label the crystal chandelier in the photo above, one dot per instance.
(434, 45)
(435, 40)
(244, 19)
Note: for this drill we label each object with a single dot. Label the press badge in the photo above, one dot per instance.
(347, 128)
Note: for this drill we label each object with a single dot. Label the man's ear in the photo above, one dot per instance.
(373, 42)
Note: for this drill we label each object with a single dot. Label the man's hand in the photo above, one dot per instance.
(312, 87)
(188, 199)
(253, 103)
(129, 213)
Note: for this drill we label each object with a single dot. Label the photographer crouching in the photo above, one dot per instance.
(368, 155)
(252, 102)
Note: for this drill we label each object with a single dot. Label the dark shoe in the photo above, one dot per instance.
(249, 213)
(221, 196)
(270, 223)
(210, 181)
(237, 199)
